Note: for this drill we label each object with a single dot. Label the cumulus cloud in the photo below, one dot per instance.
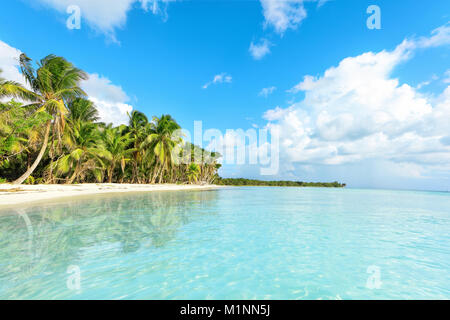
(265, 92)
(356, 111)
(105, 16)
(259, 50)
(219, 78)
(110, 99)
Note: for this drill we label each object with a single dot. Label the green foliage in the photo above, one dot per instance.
(81, 109)
(30, 180)
(193, 172)
(17, 124)
(55, 137)
(53, 85)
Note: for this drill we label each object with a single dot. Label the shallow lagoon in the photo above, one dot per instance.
(233, 243)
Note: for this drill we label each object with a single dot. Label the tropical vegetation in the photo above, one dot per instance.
(251, 182)
(53, 135)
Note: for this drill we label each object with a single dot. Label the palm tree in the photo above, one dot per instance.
(116, 143)
(53, 84)
(193, 172)
(138, 125)
(162, 143)
(82, 110)
(82, 141)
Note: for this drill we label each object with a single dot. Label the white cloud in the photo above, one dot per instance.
(9, 63)
(276, 114)
(427, 82)
(219, 78)
(356, 112)
(265, 92)
(439, 37)
(106, 15)
(259, 50)
(447, 76)
(110, 100)
(280, 15)
(155, 5)
(283, 14)
(322, 2)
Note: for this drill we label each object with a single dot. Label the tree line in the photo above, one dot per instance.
(54, 136)
(252, 182)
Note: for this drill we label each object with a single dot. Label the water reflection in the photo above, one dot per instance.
(43, 241)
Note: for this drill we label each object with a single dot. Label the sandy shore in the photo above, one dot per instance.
(13, 195)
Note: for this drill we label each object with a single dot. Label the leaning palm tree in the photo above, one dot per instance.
(162, 143)
(53, 84)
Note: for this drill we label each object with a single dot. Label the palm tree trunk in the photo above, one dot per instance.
(75, 174)
(111, 173)
(134, 177)
(50, 153)
(161, 172)
(39, 157)
(155, 173)
(28, 160)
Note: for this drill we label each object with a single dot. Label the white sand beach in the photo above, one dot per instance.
(13, 195)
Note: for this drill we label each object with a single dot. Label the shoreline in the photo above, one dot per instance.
(25, 195)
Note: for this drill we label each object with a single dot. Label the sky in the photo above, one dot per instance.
(366, 106)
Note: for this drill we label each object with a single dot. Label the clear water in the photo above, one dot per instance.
(234, 243)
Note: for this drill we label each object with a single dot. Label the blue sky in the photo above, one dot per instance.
(160, 61)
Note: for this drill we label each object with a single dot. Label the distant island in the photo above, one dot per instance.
(253, 182)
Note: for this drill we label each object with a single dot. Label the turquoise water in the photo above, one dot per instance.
(234, 243)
